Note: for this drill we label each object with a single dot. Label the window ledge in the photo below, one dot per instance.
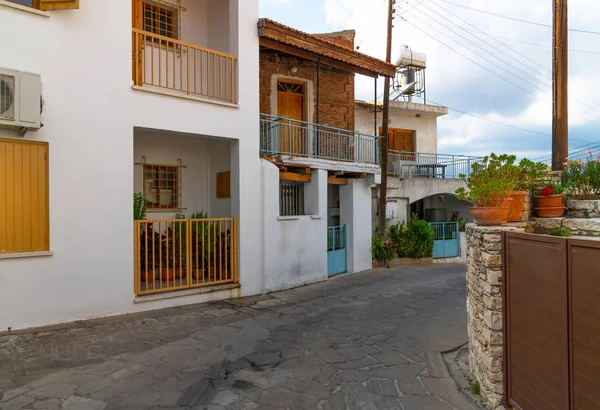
(297, 217)
(183, 96)
(23, 8)
(22, 255)
(186, 292)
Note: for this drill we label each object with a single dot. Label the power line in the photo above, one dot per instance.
(368, 31)
(516, 19)
(591, 110)
(540, 45)
(573, 150)
(484, 67)
(470, 59)
(501, 123)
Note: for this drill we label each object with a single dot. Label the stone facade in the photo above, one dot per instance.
(484, 307)
(578, 227)
(583, 209)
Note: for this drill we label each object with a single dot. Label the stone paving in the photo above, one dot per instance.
(365, 341)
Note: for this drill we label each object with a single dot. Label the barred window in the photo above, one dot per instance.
(160, 20)
(291, 198)
(162, 186)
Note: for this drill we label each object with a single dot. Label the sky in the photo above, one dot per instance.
(477, 63)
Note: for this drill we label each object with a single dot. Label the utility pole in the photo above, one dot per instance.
(384, 125)
(560, 84)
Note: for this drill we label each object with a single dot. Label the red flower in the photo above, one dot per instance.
(547, 191)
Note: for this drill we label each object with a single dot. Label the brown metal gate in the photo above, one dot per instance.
(552, 322)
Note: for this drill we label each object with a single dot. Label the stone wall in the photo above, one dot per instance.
(578, 227)
(484, 307)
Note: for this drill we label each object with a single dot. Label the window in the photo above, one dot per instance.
(224, 184)
(24, 221)
(49, 4)
(291, 198)
(162, 188)
(401, 140)
(160, 20)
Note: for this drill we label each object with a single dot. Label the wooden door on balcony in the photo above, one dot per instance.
(290, 104)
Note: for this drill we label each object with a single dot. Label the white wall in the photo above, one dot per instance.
(425, 126)
(89, 117)
(295, 247)
(355, 199)
(201, 157)
(451, 204)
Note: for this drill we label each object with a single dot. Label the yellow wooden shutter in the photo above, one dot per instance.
(24, 222)
(58, 4)
(224, 184)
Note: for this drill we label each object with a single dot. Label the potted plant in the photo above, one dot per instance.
(489, 186)
(582, 178)
(531, 173)
(549, 201)
(150, 241)
(174, 250)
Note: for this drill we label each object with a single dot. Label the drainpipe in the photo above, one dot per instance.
(318, 105)
(375, 110)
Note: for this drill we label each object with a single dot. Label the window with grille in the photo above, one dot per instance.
(162, 188)
(24, 203)
(161, 20)
(291, 198)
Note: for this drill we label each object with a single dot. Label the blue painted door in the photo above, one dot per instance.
(336, 250)
(446, 241)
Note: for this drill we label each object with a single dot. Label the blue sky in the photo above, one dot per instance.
(518, 52)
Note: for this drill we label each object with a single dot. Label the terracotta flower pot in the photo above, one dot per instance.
(491, 216)
(550, 211)
(551, 201)
(516, 205)
(170, 274)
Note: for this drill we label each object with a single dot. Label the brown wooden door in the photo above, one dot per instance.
(290, 104)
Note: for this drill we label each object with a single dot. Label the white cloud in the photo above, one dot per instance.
(464, 85)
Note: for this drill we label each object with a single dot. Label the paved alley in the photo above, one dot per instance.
(365, 341)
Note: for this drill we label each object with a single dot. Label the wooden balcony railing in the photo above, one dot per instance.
(177, 254)
(182, 67)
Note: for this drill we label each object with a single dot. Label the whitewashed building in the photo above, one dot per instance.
(163, 107)
(177, 123)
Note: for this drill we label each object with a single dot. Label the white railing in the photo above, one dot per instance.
(417, 164)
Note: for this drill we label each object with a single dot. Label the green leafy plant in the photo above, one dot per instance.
(531, 174)
(462, 224)
(582, 177)
(381, 248)
(139, 207)
(414, 240)
(562, 231)
(491, 181)
(474, 387)
(551, 189)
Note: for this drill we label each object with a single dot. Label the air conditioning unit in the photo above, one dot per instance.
(20, 100)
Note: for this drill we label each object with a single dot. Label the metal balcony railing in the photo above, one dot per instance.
(286, 136)
(417, 164)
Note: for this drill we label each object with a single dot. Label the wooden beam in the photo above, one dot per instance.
(291, 176)
(337, 181)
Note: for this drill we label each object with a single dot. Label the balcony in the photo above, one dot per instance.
(288, 137)
(184, 49)
(421, 165)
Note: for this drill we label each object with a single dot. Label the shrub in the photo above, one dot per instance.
(413, 241)
(381, 248)
(582, 177)
(562, 231)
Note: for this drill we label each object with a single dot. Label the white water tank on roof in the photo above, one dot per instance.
(409, 57)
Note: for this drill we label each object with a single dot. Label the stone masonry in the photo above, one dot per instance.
(484, 307)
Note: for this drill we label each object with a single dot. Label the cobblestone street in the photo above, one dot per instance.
(365, 341)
